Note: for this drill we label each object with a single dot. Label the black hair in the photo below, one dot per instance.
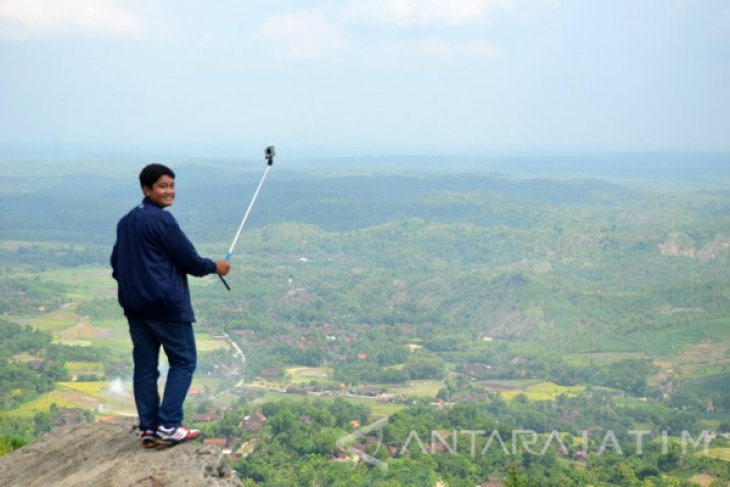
(152, 172)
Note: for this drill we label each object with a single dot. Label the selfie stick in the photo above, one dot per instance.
(269, 154)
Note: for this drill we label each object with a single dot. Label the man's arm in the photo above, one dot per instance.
(113, 260)
(183, 253)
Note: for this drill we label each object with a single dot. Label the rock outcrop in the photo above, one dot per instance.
(110, 455)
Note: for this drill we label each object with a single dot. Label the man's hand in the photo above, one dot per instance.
(222, 267)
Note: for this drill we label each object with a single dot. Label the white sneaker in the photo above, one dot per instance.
(176, 435)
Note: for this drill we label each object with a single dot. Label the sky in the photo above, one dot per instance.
(363, 77)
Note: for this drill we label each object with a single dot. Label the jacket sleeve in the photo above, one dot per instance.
(181, 250)
(113, 261)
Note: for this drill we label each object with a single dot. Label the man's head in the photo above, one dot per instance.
(158, 184)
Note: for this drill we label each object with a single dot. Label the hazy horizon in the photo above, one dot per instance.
(363, 78)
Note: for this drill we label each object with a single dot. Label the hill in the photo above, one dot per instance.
(551, 304)
(109, 454)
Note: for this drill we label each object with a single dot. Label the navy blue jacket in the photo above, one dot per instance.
(150, 261)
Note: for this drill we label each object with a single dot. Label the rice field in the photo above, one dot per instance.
(84, 395)
(377, 409)
(206, 344)
(95, 388)
(86, 281)
(602, 357)
(543, 391)
(721, 453)
(56, 321)
(501, 385)
(418, 388)
(84, 368)
(24, 357)
(303, 375)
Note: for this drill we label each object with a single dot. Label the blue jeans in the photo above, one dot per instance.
(178, 341)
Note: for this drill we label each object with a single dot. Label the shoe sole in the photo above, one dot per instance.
(172, 441)
(150, 443)
(165, 443)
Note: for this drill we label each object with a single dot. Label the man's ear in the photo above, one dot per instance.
(146, 190)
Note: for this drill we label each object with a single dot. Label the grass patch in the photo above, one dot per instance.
(721, 453)
(709, 384)
(377, 409)
(616, 344)
(86, 281)
(562, 311)
(509, 383)
(24, 357)
(117, 345)
(602, 357)
(544, 391)
(118, 327)
(84, 368)
(84, 395)
(55, 321)
(94, 388)
(418, 388)
(303, 375)
(674, 340)
(704, 372)
(74, 343)
(206, 344)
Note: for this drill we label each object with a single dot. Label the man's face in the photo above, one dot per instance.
(162, 193)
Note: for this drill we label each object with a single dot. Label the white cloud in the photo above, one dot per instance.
(407, 13)
(48, 18)
(449, 50)
(302, 35)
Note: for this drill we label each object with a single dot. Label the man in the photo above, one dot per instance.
(150, 261)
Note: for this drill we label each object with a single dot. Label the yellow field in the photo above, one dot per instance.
(71, 329)
(206, 344)
(58, 320)
(85, 395)
(89, 388)
(23, 357)
(303, 375)
(380, 409)
(96, 366)
(418, 388)
(721, 453)
(84, 368)
(62, 399)
(83, 330)
(544, 391)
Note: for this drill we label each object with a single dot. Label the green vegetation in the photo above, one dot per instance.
(459, 302)
(544, 391)
(21, 381)
(465, 444)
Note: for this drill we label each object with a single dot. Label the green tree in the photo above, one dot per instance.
(515, 478)
(424, 365)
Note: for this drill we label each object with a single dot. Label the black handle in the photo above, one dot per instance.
(224, 282)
